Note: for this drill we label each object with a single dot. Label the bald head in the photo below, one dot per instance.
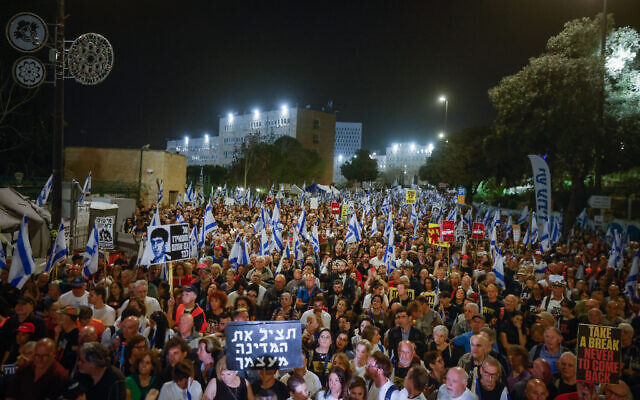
(536, 390)
(541, 370)
(87, 334)
(43, 355)
(456, 381)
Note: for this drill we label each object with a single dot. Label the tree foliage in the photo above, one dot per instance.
(361, 167)
(261, 161)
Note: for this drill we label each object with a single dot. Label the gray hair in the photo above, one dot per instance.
(441, 328)
(141, 282)
(568, 354)
(96, 354)
(625, 326)
(474, 306)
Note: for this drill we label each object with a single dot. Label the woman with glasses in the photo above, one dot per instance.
(320, 359)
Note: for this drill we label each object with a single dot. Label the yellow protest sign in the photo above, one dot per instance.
(411, 197)
(433, 235)
(344, 211)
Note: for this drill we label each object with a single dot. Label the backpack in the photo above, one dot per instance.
(389, 393)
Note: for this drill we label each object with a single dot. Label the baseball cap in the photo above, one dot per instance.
(27, 327)
(522, 271)
(77, 282)
(217, 247)
(481, 316)
(537, 253)
(68, 310)
(465, 256)
(558, 284)
(191, 289)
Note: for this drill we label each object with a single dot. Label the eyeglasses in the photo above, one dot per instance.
(490, 375)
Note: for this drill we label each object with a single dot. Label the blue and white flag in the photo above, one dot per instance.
(493, 244)
(91, 253)
(508, 229)
(235, 256)
(22, 264)
(453, 214)
(44, 194)
(314, 238)
(179, 201)
(86, 188)
(374, 227)
(581, 221)
(265, 243)
(545, 239)
(180, 219)
(3, 257)
(201, 235)
(570, 238)
(524, 216)
(615, 254)
(301, 226)
(188, 196)
(193, 242)
(468, 218)
(389, 226)
(354, 231)
(297, 248)
(155, 221)
(199, 196)
(498, 269)
(390, 254)
(276, 227)
(160, 191)
(631, 285)
(556, 232)
(534, 228)
(210, 224)
(542, 186)
(58, 250)
(496, 218)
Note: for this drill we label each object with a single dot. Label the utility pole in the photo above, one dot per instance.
(58, 119)
(603, 45)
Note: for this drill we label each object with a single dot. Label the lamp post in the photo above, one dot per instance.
(444, 100)
(142, 149)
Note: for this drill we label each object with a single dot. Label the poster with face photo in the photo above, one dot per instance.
(166, 243)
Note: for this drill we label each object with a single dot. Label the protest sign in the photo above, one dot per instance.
(264, 345)
(434, 236)
(411, 197)
(104, 226)
(393, 293)
(9, 369)
(313, 203)
(516, 232)
(166, 243)
(343, 212)
(448, 231)
(335, 208)
(599, 355)
(478, 231)
(461, 195)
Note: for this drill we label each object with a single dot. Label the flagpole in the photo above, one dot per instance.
(171, 277)
(58, 119)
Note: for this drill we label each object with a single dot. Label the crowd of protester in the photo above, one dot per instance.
(437, 326)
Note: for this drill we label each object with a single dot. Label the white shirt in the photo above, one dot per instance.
(69, 299)
(171, 391)
(404, 395)
(444, 395)
(322, 395)
(150, 304)
(105, 314)
(325, 316)
(378, 393)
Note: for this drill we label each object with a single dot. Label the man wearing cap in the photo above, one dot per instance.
(217, 257)
(77, 296)
(554, 302)
(66, 335)
(477, 322)
(23, 314)
(189, 306)
(42, 378)
(539, 265)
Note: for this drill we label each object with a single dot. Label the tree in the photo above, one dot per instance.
(552, 107)
(361, 167)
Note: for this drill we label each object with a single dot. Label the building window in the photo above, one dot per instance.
(316, 124)
(316, 137)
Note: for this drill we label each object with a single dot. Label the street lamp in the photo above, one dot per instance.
(444, 100)
(142, 149)
(441, 135)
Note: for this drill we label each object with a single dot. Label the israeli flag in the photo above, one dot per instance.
(555, 231)
(265, 243)
(22, 264)
(581, 221)
(524, 216)
(527, 238)
(609, 237)
(354, 231)
(545, 240)
(453, 213)
(235, 256)
(498, 270)
(493, 244)
(160, 191)
(301, 227)
(534, 228)
(262, 221)
(314, 239)
(630, 286)
(201, 236)
(3, 257)
(615, 254)
(389, 226)
(180, 219)
(487, 219)
(91, 253)
(86, 189)
(44, 194)
(374, 227)
(58, 251)
(276, 227)
(200, 197)
(210, 224)
(188, 196)
(496, 218)
(297, 248)
(155, 221)
(570, 238)
(468, 218)
(390, 254)
(193, 242)
(509, 228)
(386, 205)
(179, 201)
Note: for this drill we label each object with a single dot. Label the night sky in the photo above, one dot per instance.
(181, 65)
